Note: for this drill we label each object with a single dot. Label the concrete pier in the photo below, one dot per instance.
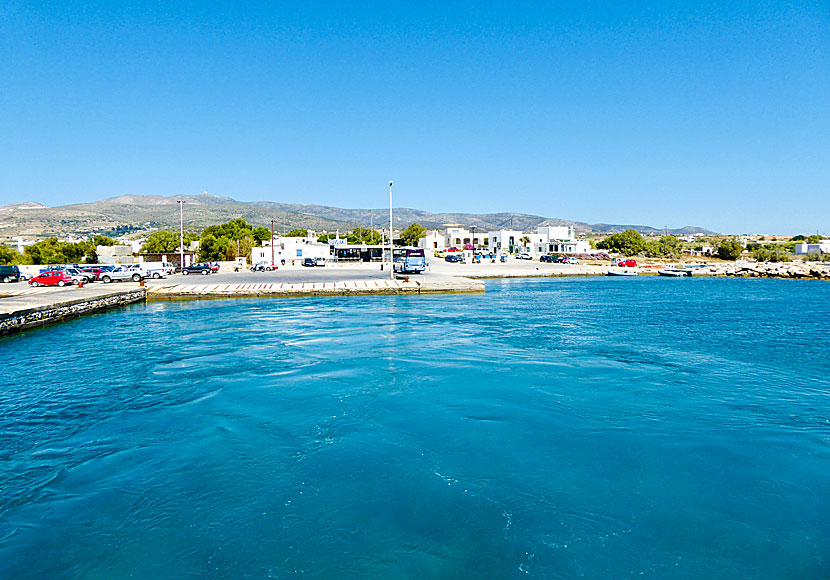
(204, 289)
(22, 307)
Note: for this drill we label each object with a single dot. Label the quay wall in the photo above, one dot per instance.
(43, 314)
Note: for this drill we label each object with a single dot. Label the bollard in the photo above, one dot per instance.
(141, 283)
(81, 284)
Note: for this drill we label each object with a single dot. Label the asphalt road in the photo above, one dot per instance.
(284, 275)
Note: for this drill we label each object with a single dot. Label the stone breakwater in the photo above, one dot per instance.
(34, 315)
(771, 270)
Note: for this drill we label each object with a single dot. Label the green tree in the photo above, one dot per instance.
(297, 233)
(364, 236)
(628, 243)
(161, 242)
(525, 241)
(412, 234)
(213, 248)
(730, 249)
(9, 255)
(665, 247)
(261, 234)
(812, 239)
(99, 240)
(324, 238)
(52, 251)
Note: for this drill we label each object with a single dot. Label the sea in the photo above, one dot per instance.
(549, 428)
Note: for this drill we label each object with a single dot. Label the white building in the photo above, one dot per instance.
(546, 239)
(823, 247)
(289, 251)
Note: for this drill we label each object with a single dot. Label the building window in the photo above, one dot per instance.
(299, 253)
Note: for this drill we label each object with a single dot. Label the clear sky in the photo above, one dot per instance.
(662, 113)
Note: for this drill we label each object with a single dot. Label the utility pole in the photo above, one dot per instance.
(284, 220)
(371, 226)
(181, 232)
(273, 262)
(391, 258)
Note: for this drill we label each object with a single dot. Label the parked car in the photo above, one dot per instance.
(203, 268)
(121, 273)
(94, 271)
(454, 257)
(263, 267)
(320, 262)
(51, 278)
(629, 263)
(9, 273)
(79, 276)
(570, 261)
(214, 267)
(309, 262)
(546, 258)
(524, 256)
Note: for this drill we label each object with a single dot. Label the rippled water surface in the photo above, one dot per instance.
(550, 428)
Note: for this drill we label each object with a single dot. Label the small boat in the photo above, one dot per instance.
(674, 272)
(625, 272)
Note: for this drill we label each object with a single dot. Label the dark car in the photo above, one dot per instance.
(200, 268)
(546, 258)
(310, 262)
(454, 257)
(9, 274)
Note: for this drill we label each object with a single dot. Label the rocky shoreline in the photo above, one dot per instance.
(814, 270)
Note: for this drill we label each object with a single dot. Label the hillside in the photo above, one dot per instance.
(134, 213)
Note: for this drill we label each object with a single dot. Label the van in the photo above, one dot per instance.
(153, 269)
(9, 273)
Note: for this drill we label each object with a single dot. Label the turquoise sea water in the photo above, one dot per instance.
(550, 428)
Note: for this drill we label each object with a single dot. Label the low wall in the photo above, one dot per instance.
(46, 314)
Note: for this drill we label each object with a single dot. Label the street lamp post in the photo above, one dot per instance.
(391, 259)
(272, 244)
(181, 232)
(473, 240)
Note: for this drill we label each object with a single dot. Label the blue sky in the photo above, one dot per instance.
(666, 113)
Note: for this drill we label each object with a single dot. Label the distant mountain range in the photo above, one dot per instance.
(132, 213)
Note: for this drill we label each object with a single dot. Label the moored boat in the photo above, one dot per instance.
(674, 272)
(625, 272)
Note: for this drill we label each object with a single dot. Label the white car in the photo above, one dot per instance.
(524, 256)
(121, 273)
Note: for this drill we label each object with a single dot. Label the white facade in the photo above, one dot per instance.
(292, 250)
(503, 241)
(823, 247)
(546, 239)
(433, 241)
(562, 247)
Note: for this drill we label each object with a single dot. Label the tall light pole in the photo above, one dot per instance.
(391, 258)
(181, 232)
(272, 244)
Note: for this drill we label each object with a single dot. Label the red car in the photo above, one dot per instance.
(629, 263)
(51, 278)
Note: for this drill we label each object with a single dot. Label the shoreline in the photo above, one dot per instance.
(23, 308)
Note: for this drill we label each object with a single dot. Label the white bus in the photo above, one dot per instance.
(409, 260)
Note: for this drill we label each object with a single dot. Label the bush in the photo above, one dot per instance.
(730, 249)
(628, 243)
